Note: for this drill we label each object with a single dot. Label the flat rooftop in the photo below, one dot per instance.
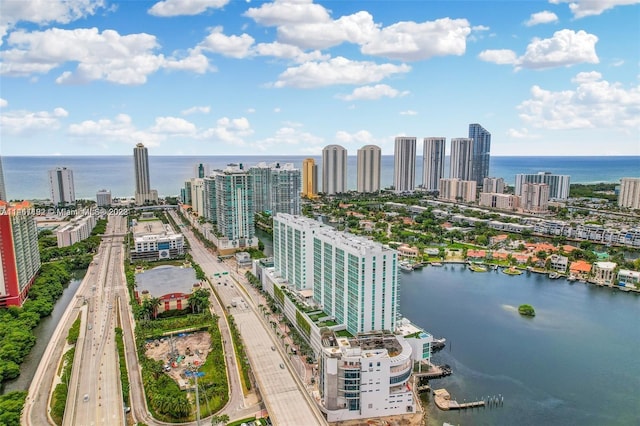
(166, 279)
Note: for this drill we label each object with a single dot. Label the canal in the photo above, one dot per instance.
(576, 362)
(43, 333)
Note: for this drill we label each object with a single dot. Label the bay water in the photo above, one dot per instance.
(577, 362)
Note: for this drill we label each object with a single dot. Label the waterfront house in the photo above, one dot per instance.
(558, 263)
(476, 254)
(580, 269)
(498, 239)
(628, 278)
(408, 251)
(604, 272)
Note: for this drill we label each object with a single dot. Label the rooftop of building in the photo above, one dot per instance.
(365, 342)
(166, 279)
(151, 227)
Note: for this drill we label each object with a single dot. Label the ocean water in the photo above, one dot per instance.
(26, 177)
(577, 362)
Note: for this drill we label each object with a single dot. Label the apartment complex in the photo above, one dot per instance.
(481, 152)
(61, 188)
(499, 201)
(334, 170)
(144, 194)
(369, 167)
(276, 188)
(457, 190)
(309, 178)
(404, 164)
(103, 198)
(558, 184)
(234, 206)
(153, 240)
(492, 184)
(461, 160)
(78, 229)
(20, 257)
(629, 193)
(433, 162)
(535, 197)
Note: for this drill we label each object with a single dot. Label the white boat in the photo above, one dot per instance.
(436, 264)
(571, 278)
(405, 266)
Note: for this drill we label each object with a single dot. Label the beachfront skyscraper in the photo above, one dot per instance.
(433, 162)
(234, 205)
(103, 198)
(558, 184)
(369, 163)
(309, 178)
(404, 164)
(334, 170)
(3, 190)
(20, 260)
(61, 189)
(144, 193)
(481, 152)
(201, 170)
(461, 159)
(629, 193)
(276, 188)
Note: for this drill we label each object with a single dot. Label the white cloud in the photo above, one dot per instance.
(409, 112)
(288, 51)
(121, 59)
(121, 129)
(564, 49)
(544, 17)
(232, 46)
(337, 71)
(3, 103)
(45, 11)
(595, 103)
(582, 8)
(412, 41)
(251, 110)
(196, 110)
(168, 8)
(289, 135)
(173, 126)
(373, 92)
(499, 56)
(277, 110)
(522, 133)
(229, 131)
(283, 12)
(361, 137)
(28, 123)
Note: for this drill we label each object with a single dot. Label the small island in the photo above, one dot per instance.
(526, 310)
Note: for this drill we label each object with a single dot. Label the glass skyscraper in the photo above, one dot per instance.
(481, 152)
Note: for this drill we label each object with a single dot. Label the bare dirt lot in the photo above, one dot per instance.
(189, 348)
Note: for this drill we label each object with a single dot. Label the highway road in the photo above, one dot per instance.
(284, 394)
(95, 372)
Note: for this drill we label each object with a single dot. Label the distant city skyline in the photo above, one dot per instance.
(216, 77)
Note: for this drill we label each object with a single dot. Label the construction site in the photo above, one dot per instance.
(180, 353)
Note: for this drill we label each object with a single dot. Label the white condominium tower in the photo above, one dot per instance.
(61, 188)
(334, 170)
(433, 162)
(3, 191)
(144, 193)
(234, 205)
(353, 279)
(276, 188)
(404, 164)
(558, 184)
(369, 162)
(461, 159)
(629, 193)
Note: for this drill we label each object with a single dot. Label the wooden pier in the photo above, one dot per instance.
(444, 402)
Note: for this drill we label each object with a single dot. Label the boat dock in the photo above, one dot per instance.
(443, 401)
(435, 372)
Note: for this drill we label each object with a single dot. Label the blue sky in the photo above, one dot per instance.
(225, 77)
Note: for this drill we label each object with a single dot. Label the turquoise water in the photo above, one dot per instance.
(26, 177)
(576, 363)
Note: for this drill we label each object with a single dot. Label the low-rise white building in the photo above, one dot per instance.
(77, 230)
(366, 376)
(153, 240)
(628, 278)
(604, 272)
(559, 263)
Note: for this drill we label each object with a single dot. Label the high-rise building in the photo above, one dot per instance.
(103, 198)
(404, 164)
(309, 178)
(61, 188)
(201, 170)
(20, 260)
(210, 199)
(144, 193)
(433, 162)
(185, 193)
(558, 184)
(499, 201)
(493, 185)
(629, 193)
(369, 163)
(457, 190)
(197, 196)
(276, 188)
(234, 205)
(353, 279)
(535, 197)
(481, 152)
(3, 190)
(461, 160)
(334, 170)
